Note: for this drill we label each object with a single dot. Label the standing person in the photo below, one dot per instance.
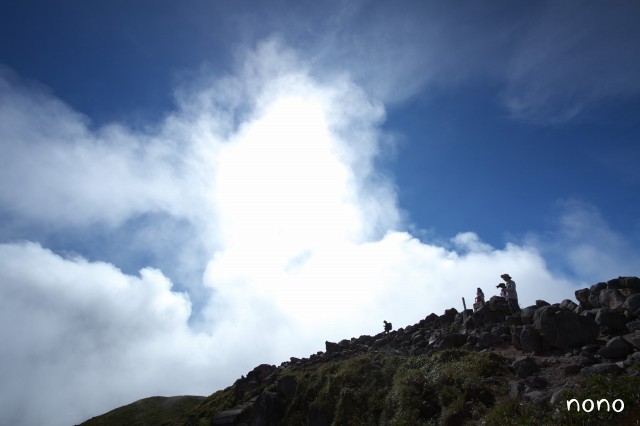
(511, 294)
(479, 299)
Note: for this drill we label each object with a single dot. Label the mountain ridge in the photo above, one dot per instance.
(473, 367)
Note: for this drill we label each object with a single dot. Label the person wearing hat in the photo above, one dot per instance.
(479, 299)
(510, 292)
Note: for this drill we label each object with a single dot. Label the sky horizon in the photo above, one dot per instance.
(190, 190)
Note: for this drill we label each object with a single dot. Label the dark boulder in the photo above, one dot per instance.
(527, 314)
(449, 316)
(332, 347)
(493, 312)
(633, 326)
(615, 348)
(611, 319)
(226, 418)
(431, 319)
(582, 296)
(536, 382)
(530, 340)
(261, 372)
(611, 299)
(514, 319)
(586, 359)
(594, 294)
(603, 369)
(267, 410)
(635, 340)
(488, 339)
(563, 328)
(632, 303)
(524, 366)
(569, 304)
(453, 340)
(624, 282)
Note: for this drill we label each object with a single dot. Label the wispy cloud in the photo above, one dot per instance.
(573, 56)
(584, 245)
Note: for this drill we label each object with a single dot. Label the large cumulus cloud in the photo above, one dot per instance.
(295, 237)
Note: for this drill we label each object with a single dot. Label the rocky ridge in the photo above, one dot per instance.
(547, 351)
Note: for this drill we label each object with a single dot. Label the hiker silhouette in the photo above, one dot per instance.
(479, 302)
(387, 327)
(509, 291)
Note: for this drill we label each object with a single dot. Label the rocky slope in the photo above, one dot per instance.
(484, 367)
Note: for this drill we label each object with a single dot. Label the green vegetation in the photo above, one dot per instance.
(445, 388)
(157, 410)
(200, 415)
(450, 387)
(602, 387)
(517, 412)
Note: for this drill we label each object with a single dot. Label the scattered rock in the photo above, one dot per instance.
(582, 296)
(611, 319)
(617, 347)
(536, 382)
(530, 339)
(331, 347)
(611, 299)
(602, 369)
(633, 326)
(632, 304)
(524, 366)
(564, 329)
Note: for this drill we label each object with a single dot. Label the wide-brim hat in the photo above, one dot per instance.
(507, 276)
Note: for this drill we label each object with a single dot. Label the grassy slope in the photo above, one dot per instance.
(157, 410)
(450, 387)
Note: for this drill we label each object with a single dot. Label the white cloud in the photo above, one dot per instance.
(302, 236)
(585, 245)
(78, 333)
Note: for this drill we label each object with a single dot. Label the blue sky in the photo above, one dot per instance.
(177, 176)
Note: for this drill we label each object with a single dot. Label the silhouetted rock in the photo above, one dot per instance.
(611, 299)
(527, 314)
(617, 347)
(564, 329)
(611, 319)
(582, 296)
(331, 347)
(524, 366)
(602, 369)
(530, 339)
(453, 340)
(632, 304)
(449, 316)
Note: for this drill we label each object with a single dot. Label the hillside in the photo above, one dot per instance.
(486, 367)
